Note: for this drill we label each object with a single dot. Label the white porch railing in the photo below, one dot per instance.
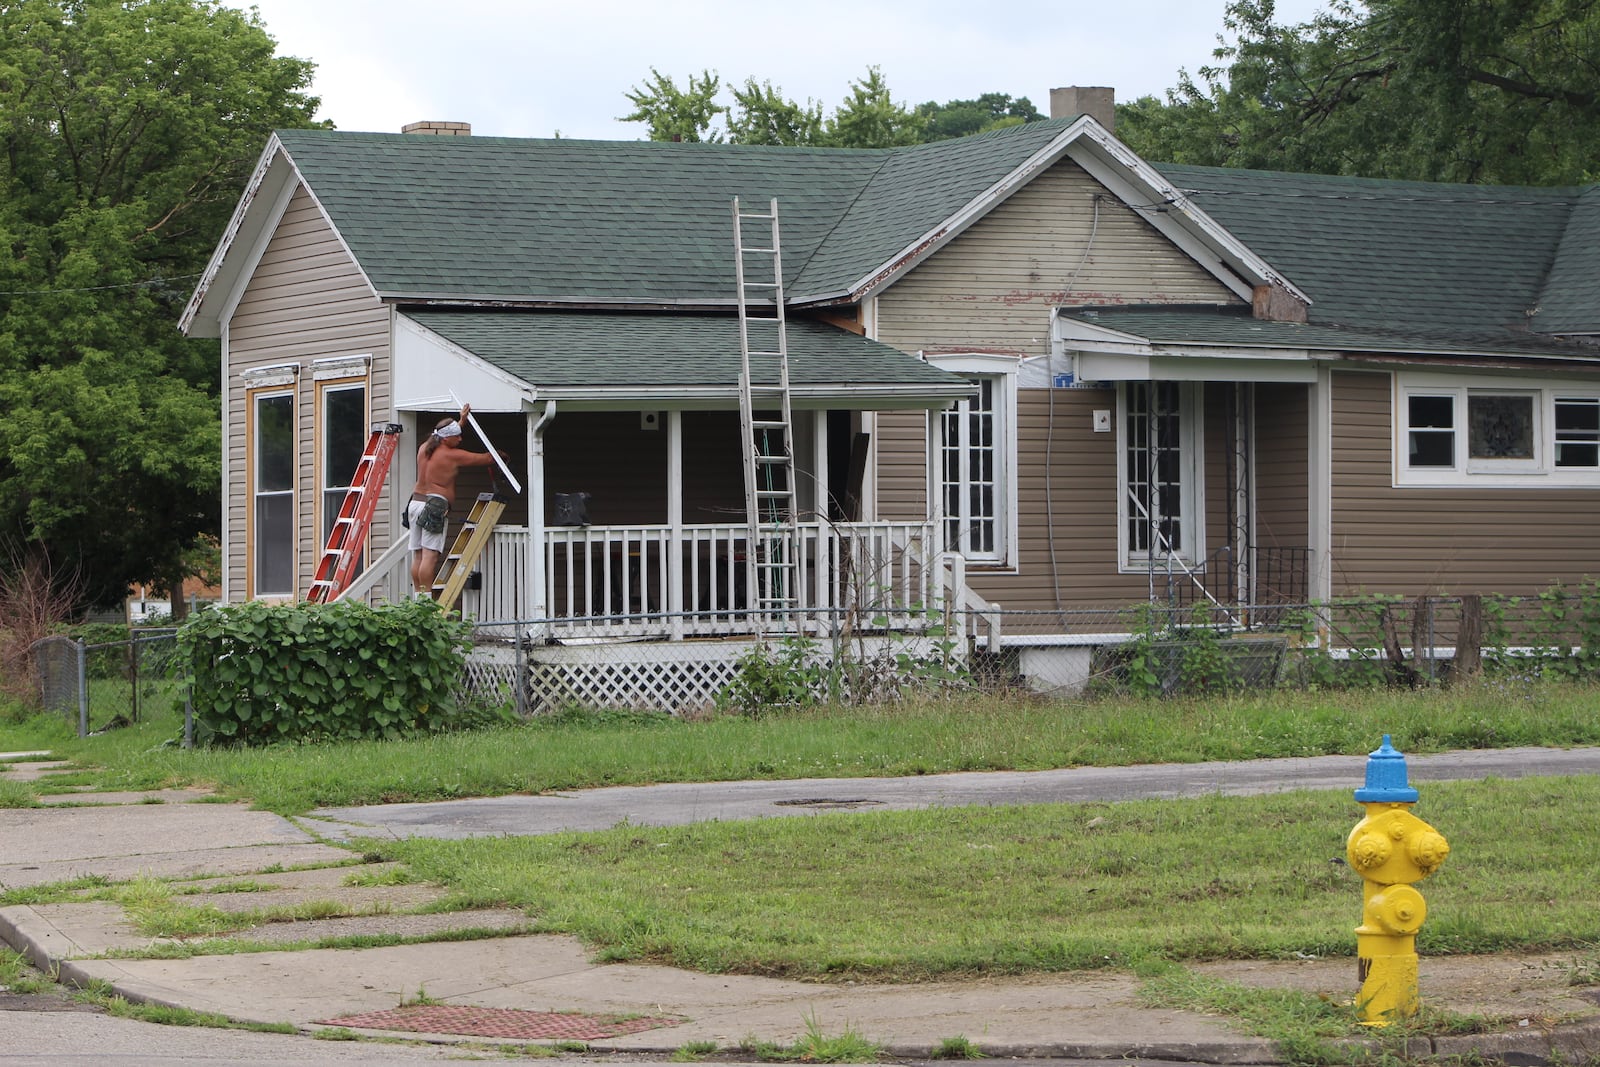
(649, 580)
(652, 581)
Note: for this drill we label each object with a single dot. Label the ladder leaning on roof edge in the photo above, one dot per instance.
(772, 565)
(349, 531)
(471, 540)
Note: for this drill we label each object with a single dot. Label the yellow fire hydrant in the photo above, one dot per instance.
(1390, 848)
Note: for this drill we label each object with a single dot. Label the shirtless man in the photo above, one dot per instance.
(439, 460)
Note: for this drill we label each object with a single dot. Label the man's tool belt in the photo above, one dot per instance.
(431, 518)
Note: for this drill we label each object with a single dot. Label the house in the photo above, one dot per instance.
(1032, 373)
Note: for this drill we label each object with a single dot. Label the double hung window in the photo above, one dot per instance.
(974, 453)
(272, 488)
(1505, 433)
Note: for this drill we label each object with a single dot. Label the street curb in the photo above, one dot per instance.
(44, 945)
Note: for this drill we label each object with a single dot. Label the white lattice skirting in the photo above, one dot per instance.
(642, 676)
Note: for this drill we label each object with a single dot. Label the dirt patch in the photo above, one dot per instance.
(1513, 986)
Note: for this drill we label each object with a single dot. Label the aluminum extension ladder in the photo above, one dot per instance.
(469, 544)
(772, 555)
(349, 533)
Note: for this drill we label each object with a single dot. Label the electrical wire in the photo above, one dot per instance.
(1050, 420)
(149, 282)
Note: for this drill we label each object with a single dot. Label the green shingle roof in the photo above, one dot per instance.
(1234, 327)
(630, 222)
(552, 349)
(1571, 298)
(1462, 264)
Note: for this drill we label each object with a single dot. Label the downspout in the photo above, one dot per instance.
(539, 607)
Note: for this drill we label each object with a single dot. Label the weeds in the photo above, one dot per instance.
(816, 1046)
(956, 1048)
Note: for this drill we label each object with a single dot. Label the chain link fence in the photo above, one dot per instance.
(107, 684)
(1151, 649)
(629, 662)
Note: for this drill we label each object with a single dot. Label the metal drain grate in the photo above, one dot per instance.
(501, 1022)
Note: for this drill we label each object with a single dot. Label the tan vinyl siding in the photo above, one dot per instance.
(306, 301)
(1066, 495)
(1281, 448)
(1412, 541)
(994, 285)
(902, 465)
(992, 288)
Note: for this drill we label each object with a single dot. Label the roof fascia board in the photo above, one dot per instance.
(843, 396)
(269, 229)
(410, 334)
(190, 322)
(1173, 366)
(941, 234)
(1137, 183)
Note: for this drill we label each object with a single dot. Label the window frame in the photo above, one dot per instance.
(1001, 370)
(1538, 471)
(327, 512)
(1191, 548)
(254, 396)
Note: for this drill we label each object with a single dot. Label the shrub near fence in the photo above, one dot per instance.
(341, 671)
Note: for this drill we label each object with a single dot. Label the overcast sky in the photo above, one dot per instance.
(532, 68)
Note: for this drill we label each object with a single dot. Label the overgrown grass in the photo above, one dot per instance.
(949, 892)
(976, 733)
(17, 795)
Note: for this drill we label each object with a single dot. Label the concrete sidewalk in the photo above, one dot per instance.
(510, 985)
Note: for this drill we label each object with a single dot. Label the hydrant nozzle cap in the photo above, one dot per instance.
(1386, 778)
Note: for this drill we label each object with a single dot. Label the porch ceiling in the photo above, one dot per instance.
(657, 357)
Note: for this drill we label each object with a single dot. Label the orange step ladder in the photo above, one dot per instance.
(338, 563)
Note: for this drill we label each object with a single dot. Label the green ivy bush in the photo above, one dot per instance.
(267, 673)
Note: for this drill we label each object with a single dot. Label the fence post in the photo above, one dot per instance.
(83, 689)
(519, 681)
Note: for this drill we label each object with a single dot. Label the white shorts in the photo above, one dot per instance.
(420, 538)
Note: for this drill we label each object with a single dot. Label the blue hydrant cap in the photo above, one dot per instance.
(1386, 778)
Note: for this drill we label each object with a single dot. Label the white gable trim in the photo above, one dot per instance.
(247, 268)
(428, 368)
(190, 322)
(942, 234)
(1160, 203)
(227, 274)
(1133, 181)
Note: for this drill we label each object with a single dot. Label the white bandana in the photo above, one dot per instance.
(449, 429)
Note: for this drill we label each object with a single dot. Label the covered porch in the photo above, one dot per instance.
(632, 523)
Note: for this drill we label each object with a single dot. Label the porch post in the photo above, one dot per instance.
(825, 533)
(674, 547)
(538, 605)
(1319, 464)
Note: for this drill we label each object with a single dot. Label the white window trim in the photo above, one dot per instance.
(324, 386)
(1538, 473)
(254, 397)
(1192, 519)
(1003, 366)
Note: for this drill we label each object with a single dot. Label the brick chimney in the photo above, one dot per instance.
(441, 129)
(1096, 101)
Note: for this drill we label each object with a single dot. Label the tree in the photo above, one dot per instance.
(675, 114)
(130, 128)
(869, 118)
(1437, 90)
(961, 118)
(761, 114)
